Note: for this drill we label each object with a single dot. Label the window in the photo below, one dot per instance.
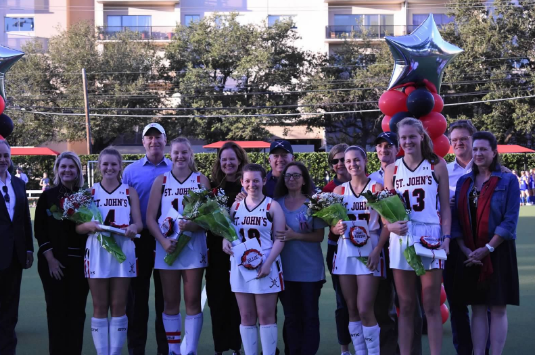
(19, 24)
(188, 19)
(440, 19)
(272, 19)
(132, 22)
(377, 25)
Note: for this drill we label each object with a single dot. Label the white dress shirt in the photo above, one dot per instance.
(11, 204)
(455, 171)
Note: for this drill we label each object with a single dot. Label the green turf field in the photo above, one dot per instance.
(32, 329)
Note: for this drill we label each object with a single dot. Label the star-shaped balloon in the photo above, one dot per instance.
(8, 57)
(423, 54)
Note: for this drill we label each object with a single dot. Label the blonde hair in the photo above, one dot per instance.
(72, 156)
(191, 164)
(115, 153)
(427, 144)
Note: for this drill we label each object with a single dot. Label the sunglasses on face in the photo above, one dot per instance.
(336, 161)
(6, 196)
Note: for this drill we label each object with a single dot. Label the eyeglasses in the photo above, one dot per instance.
(460, 140)
(336, 161)
(6, 196)
(295, 176)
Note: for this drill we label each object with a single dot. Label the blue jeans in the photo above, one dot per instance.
(341, 314)
(300, 301)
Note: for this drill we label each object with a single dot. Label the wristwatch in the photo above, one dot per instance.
(489, 247)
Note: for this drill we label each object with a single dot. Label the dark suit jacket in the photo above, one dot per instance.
(15, 235)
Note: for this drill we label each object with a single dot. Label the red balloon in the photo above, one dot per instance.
(435, 124)
(385, 124)
(408, 90)
(442, 294)
(441, 146)
(401, 152)
(444, 312)
(392, 102)
(439, 103)
(2, 104)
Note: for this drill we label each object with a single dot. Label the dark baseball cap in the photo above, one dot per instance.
(281, 144)
(390, 137)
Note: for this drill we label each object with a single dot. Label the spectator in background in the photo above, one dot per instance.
(20, 174)
(524, 181)
(280, 154)
(532, 184)
(45, 182)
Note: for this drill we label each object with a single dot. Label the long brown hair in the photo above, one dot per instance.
(427, 144)
(218, 176)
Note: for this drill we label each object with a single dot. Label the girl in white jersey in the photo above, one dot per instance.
(258, 216)
(168, 192)
(420, 176)
(108, 279)
(359, 282)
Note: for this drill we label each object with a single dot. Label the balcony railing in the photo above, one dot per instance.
(156, 33)
(361, 31)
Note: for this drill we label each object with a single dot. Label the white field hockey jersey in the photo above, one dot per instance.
(173, 191)
(356, 205)
(419, 189)
(114, 206)
(255, 223)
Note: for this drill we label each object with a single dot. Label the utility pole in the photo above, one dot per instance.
(86, 108)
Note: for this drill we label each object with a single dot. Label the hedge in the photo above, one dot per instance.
(35, 166)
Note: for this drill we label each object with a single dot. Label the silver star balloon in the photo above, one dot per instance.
(8, 57)
(423, 54)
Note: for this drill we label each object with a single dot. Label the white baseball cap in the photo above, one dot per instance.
(153, 125)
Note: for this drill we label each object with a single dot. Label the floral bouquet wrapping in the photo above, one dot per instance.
(328, 207)
(79, 207)
(390, 206)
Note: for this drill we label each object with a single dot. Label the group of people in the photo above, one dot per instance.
(471, 206)
(526, 181)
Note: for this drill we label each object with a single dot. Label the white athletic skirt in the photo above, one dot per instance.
(272, 283)
(193, 256)
(99, 264)
(345, 265)
(399, 243)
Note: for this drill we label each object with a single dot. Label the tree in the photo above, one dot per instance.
(220, 63)
(52, 81)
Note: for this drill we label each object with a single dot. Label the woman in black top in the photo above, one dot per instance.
(224, 311)
(61, 261)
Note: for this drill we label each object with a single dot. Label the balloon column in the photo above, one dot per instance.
(8, 57)
(419, 62)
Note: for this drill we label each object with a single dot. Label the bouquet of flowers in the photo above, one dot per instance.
(208, 209)
(79, 207)
(328, 207)
(390, 206)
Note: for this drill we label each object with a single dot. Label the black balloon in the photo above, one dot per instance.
(420, 102)
(6, 125)
(396, 118)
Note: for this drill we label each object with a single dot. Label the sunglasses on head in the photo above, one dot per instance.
(336, 161)
(6, 196)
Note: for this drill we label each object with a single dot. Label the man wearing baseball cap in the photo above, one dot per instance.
(141, 175)
(280, 155)
(386, 145)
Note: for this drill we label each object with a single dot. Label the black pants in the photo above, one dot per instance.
(341, 314)
(65, 306)
(137, 308)
(221, 300)
(10, 279)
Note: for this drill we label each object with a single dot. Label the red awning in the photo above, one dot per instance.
(32, 151)
(508, 148)
(243, 144)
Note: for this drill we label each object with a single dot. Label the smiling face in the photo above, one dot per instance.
(293, 178)
(5, 159)
(180, 155)
(278, 159)
(410, 139)
(483, 153)
(338, 164)
(154, 143)
(229, 162)
(67, 171)
(461, 141)
(109, 166)
(252, 182)
(386, 152)
(355, 162)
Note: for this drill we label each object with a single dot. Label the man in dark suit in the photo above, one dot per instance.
(16, 248)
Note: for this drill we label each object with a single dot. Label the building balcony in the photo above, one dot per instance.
(139, 2)
(154, 33)
(337, 33)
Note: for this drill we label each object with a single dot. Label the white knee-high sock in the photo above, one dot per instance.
(118, 330)
(371, 336)
(357, 337)
(193, 327)
(172, 325)
(268, 338)
(99, 331)
(249, 338)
